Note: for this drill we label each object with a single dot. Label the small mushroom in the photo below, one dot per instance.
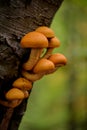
(14, 97)
(43, 66)
(14, 94)
(58, 59)
(22, 83)
(48, 32)
(53, 43)
(36, 41)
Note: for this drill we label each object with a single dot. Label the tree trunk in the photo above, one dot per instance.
(17, 17)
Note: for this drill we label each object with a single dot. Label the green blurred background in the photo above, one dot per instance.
(59, 101)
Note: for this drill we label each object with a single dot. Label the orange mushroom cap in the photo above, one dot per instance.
(14, 94)
(58, 59)
(22, 83)
(34, 40)
(54, 42)
(48, 32)
(43, 66)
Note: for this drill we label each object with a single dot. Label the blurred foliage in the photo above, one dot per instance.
(59, 101)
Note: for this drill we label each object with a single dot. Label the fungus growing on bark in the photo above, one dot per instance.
(38, 66)
(36, 41)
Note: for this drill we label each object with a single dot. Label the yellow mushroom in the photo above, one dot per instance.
(14, 94)
(22, 84)
(14, 97)
(36, 41)
(59, 60)
(43, 66)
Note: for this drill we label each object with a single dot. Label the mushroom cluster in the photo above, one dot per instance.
(41, 62)
(17, 93)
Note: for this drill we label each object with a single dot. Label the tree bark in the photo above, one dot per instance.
(18, 17)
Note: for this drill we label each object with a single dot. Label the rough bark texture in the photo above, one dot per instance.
(17, 17)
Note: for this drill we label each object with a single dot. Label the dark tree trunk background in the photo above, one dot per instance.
(17, 17)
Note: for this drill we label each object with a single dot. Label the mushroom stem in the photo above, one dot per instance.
(48, 53)
(34, 56)
(31, 76)
(11, 104)
(53, 43)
